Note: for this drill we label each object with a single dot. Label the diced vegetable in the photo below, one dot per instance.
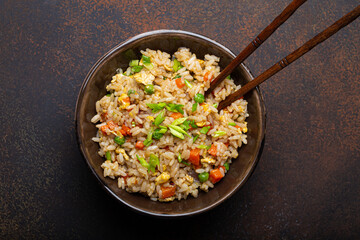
(159, 118)
(153, 162)
(193, 125)
(155, 107)
(136, 69)
(125, 130)
(228, 77)
(194, 107)
(130, 92)
(145, 59)
(149, 140)
(168, 191)
(205, 130)
(227, 167)
(111, 125)
(219, 133)
(108, 155)
(213, 150)
(149, 89)
(215, 175)
(149, 65)
(178, 121)
(199, 98)
(179, 129)
(185, 125)
(206, 76)
(232, 124)
(215, 105)
(139, 145)
(104, 128)
(177, 65)
(203, 177)
(172, 107)
(134, 63)
(176, 133)
(133, 124)
(187, 83)
(176, 115)
(143, 162)
(119, 140)
(203, 147)
(195, 156)
(108, 95)
(195, 138)
(159, 133)
(179, 83)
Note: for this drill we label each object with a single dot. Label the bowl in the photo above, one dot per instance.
(93, 88)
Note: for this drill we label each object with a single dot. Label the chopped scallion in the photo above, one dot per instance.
(188, 84)
(136, 69)
(159, 118)
(204, 147)
(205, 130)
(219, 133)
(108, 155)
(134, 63)
(177, 65)
(155, 107)
(194, 107)
(143, 162)
(145, 59)
(130, 92)
(176, 133)
(178, 129)
(195, 138)
(178, 121)
(232, 124)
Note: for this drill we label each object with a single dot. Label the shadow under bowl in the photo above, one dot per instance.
(94, 88)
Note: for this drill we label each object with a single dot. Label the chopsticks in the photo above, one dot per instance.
(262, 37)
(328, 32)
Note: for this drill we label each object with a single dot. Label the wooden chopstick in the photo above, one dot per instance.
(342, 22)
(265, 34)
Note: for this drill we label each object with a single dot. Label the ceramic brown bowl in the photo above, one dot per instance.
(169, 41)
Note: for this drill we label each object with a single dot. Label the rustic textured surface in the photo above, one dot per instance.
(306, 184)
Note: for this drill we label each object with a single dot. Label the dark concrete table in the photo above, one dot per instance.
(306, 185)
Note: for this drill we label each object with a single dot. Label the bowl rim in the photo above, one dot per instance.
(103, 184)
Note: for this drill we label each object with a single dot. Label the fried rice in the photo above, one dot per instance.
(158, 134)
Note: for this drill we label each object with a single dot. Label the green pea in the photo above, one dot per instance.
(199, 98)
(119, 140)
(203, 177)
(149, 89)
(226, 165)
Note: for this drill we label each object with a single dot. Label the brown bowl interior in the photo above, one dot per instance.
(169, 41)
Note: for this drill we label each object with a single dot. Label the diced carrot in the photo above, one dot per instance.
(103, 129)
(126, 100)
(237, 126)
(179, 82)
(139, 145)
(215, 175)
(206, 76)
(176, 115)
(167, 191)
(213, 150)
(194, 157)
(129, 110)
(111, 125)
(125, 130)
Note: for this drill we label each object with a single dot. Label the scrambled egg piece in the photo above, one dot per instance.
(151, 118)
(206, 107)
(123, 101)
(208, 161)
(164, 177)
(245, 129)
(122, 151)
(144, 77)
(190, 179)
(170, 69)
(200, 61)
(222, 118)
(201, 124)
